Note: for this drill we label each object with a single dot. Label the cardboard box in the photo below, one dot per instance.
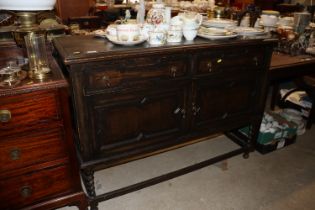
(275, 145)
(273, 128)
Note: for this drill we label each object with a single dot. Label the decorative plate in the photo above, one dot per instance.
(218, 37)
(249, 31)
(219, 23)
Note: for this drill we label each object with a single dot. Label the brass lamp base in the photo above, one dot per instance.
(40, 75)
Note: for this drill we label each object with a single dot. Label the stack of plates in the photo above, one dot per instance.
(248, 31)
(215, 33)
(219, 23)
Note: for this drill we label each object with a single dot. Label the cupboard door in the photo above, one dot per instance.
(129, 122)
(218, 101)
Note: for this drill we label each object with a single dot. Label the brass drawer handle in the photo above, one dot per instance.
(140, 136)
(106, 80)
(173, 71)
(5, 116)
(143, 100)
(181, 111)
(195, 109)
(255, 59)
(209, 66)
(15, 154)
(26, 191)
(224, 115)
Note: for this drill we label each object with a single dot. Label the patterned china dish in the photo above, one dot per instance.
(216, 33)
(114, 40)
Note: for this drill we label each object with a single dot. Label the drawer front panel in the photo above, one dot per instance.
(27, 150)
(230, 60)
(33, 187)
(221, 99)
(136, 121)
(27, 111)
(127, 72)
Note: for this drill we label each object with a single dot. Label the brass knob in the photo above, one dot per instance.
(220, 60)
(26, 191)
(173, 71)
(209, 66)
(15, 154)
(5, 116)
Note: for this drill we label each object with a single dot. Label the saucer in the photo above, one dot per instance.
(100, 33)
(114, 40)
(217, 37)
(249, 31)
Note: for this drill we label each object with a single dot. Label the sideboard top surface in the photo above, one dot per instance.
(80, 49)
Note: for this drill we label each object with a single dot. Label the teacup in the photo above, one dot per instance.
(157, 37)
(190, 33)
(145, 29)
(128, 32)
(111, 30)
(174, 34)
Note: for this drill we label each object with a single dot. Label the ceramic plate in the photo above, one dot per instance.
(248, 31)
(219, 23)
(100, 33)
(125, 43)
(213, 31)
(211, 37)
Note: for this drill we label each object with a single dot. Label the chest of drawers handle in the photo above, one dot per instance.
(15, 154)
(26, 191)
(5, 116)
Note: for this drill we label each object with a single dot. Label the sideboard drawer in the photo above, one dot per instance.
(127, 72)
(230, 60)
(31, 149)
(24, 113)
(29, 188)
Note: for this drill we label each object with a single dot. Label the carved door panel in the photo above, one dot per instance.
(218, 101)
(130, 122)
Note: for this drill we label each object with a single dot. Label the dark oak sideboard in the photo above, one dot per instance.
(133, 102)
(38, 164)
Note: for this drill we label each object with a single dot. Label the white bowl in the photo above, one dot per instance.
(27, 5)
